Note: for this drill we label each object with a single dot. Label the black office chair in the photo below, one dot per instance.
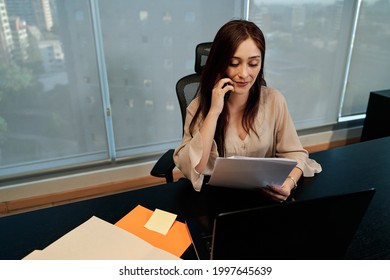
(186, 89)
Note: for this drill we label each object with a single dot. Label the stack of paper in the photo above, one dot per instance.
(99, 240)
(249, 172)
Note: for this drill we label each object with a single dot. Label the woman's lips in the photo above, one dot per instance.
(241, 84)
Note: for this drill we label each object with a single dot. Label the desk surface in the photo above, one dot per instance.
(345, 169)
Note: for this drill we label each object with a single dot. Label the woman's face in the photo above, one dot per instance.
(244, 66)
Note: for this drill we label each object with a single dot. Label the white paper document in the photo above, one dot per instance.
(97, 239)
(249, 172)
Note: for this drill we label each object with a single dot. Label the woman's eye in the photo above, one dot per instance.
(253, 65)
(233, 64)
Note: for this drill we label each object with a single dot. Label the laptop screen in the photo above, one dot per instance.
(320, 228)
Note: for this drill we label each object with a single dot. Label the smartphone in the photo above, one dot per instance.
(227, 94)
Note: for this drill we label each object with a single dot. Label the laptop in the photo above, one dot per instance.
(320, 228)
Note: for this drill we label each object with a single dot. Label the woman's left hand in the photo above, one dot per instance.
(281, 193)
(277, 193)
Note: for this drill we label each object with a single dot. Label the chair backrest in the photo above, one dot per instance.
(187, 87)
(201, 53)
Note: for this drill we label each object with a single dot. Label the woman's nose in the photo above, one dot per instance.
(243, 72)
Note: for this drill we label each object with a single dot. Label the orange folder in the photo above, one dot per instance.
(176, 241)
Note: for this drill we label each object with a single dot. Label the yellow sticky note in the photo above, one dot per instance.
(161, 221)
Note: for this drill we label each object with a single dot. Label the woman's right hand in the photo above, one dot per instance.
(207, 129)
(218, 94)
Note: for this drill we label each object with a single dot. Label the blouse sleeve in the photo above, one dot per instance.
(188, 154)
(288, 144)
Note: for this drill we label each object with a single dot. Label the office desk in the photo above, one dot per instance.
(350, 168)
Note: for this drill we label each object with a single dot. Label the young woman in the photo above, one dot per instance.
(235, 113)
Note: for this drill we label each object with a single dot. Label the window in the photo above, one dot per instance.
(99, 106)
(149, 50)
(43, 109)
(370, 57)
(98, 84)
(304, 49)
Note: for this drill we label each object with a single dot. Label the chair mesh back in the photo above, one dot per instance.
(201, 53)
(187, 87)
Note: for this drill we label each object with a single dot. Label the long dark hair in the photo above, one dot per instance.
(224, 45)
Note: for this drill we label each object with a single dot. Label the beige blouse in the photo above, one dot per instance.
(277, 138)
